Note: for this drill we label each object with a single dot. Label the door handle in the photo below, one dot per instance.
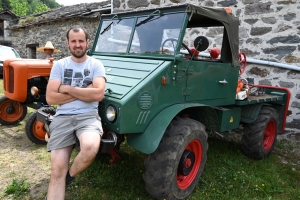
(223, 82)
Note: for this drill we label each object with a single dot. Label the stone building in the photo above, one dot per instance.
(269, 31)
(35, 30)
(7, 18)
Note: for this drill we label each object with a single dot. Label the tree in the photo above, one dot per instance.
(5, 4)
(37, 6)
(41, 8)
(19, 7)
(26, 7)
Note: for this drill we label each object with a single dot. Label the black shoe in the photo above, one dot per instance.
(69, 179)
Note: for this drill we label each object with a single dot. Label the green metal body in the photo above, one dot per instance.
(149, 88)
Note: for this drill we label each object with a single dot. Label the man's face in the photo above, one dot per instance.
(48, 51)
(77, 43)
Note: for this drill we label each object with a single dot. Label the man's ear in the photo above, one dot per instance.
(67, 42)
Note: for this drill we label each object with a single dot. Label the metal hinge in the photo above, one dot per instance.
(186, 91)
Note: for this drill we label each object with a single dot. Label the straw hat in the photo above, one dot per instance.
(48, 46)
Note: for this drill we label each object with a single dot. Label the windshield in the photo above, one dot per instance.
(157, 34)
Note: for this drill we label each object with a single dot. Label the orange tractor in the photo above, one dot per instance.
(25, 83)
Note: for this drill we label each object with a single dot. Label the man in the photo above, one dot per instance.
(47, 51)
(76, 85)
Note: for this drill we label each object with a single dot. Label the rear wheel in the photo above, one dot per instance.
(260, 137)
(35, 130)
(174, 169)
(11, 112)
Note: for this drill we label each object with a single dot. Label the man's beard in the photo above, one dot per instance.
(78, 55)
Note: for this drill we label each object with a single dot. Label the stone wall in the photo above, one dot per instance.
(269, 30)
(51, 31)
(7, 19)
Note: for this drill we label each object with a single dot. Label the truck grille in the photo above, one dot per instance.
(11, 81)
(8, 79)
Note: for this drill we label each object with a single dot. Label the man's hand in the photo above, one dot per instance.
(64, 89)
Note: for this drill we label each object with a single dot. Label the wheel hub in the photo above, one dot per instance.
(9, 110)
(186, 163)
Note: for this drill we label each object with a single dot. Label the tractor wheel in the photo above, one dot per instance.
(260, 137)
(34, 129)
(11, 112)
(174, 169)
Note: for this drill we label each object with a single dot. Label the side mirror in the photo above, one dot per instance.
(201, 43)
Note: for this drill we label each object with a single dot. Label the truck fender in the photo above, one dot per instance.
(148, 141)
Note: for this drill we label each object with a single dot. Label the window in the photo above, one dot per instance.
(1, 28)
(31, 50)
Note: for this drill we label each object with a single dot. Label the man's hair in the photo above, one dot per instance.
(76, 29)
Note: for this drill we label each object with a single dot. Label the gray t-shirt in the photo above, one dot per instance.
(77, 75)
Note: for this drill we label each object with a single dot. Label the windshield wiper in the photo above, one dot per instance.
(109, 25)
(106, 28)
(151, 16)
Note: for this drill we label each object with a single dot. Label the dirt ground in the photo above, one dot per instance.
(23, 160)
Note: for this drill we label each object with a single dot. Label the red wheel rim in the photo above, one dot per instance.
(11, 117)
(38, 130)
(269, 135)
(184, 182)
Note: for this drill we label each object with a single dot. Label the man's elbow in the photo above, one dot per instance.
(49, 100)
(100, 96)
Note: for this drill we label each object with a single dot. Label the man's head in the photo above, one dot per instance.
(78, 41)
(48, 48)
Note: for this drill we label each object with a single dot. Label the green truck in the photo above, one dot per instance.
(163, 96)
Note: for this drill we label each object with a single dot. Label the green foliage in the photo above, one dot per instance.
(20, 7)
(41, 8)
(17, 188)
(26, 7)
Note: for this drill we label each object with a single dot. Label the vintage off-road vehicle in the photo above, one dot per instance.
(164, 97)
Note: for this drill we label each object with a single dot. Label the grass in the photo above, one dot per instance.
(17, 189)
(228, 174)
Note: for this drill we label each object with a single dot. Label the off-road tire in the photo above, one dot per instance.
(260, 137)
(184, 138)
(18, 114)
(34, 129)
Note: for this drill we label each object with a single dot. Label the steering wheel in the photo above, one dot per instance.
(173, 41)
(243, 62)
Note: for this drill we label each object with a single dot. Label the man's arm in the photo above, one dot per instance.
(88, 94)
(54, 97)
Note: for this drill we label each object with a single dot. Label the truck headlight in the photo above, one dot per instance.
(111, 113)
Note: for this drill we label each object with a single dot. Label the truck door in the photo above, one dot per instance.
(211, 82)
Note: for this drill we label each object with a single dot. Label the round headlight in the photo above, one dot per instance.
(34, 91)
(111, 113)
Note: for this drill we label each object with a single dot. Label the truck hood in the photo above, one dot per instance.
(124, 74)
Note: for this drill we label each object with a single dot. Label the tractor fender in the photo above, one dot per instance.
(148, 141)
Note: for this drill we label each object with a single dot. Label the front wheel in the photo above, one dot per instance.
(11, 112)
(174, 169)
(35, 130)
(260, 137)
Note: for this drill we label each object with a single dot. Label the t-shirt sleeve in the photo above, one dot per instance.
(99, 69)
(55, 71)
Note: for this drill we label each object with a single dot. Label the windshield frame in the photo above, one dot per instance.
(136, 17)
